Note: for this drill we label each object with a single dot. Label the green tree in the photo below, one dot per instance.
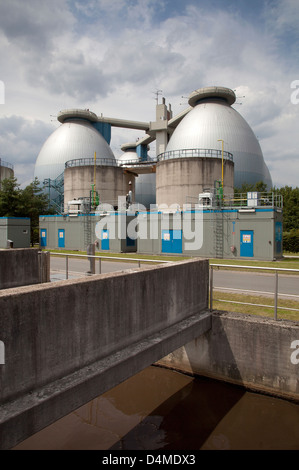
(290, 207)
(260, 187)
(33, 203)
(30, 202)
(10, 195)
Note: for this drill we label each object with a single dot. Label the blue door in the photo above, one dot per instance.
(278, 237)
(43, 237)
(131, 241)
(172, 241)
(61, 238)
(105, 239)
(246, 243)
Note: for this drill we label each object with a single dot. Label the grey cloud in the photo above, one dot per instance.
(33, 24)
(21, 139)
(140, 63)
(83, 82)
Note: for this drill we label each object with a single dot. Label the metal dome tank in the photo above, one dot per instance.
(212, 119)
(145, 183)
(75, 138)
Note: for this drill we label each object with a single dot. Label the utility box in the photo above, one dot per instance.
(253, 199)
(14, 232)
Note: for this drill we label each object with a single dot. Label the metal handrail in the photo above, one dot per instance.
(258, 268)
(106, 161)
(187, 153)
(100, 257)
(6, 164)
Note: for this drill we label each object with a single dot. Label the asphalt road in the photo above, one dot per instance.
(257, 283)
(223, 280)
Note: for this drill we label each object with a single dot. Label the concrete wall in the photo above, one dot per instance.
(22, 267)
(178, 179)
(111, 182)
(55, 335)
(251, 351)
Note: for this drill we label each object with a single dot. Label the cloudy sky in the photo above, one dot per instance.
(111, 56)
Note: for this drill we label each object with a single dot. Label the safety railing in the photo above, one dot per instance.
(195, 153)
(90, 258)
(275, 271)
(106, 161)
(6, 164)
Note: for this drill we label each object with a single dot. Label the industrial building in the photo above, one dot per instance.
(144, 204)
(14, 232)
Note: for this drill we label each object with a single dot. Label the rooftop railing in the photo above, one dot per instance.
(105, 162)
(90, 162)
(195, 153)
(6, 164)
(242, 201)
(254, 199)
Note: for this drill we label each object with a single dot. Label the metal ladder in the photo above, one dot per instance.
(218, 233)
(87, 229)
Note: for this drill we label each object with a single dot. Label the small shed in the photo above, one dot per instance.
(14, 232)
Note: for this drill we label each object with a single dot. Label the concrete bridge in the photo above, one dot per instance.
(67, 342)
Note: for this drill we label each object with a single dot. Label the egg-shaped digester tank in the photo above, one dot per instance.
(213, 121)
(75, 138)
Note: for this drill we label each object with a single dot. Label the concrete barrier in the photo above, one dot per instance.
(69, 341)
(255, 352)
(23, 266)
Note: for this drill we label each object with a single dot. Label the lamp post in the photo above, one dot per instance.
(221, 140)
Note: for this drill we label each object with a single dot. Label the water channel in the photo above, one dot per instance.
(161, 409)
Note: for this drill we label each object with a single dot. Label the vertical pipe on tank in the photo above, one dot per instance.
(94, 179)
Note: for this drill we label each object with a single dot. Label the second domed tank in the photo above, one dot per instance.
(213, 121)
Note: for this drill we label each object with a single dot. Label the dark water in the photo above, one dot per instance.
(162, 409)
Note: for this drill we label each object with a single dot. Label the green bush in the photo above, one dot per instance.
(291, 241)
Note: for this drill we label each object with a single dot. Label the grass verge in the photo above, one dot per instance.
(229, 302)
